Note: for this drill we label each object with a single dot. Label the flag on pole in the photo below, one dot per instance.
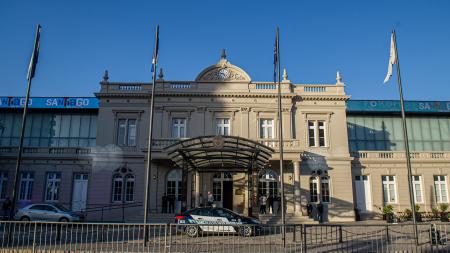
(155, 52)
(275, 58)
(392, 58)
(34, 56)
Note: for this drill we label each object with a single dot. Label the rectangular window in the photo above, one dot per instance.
(316, 134)
(313, 194)
(178, 128)
(322, 142)
(26, 185)
(126, 132)
(417, 189)
(217, 190)
(312, 133)
(223, 126)
(3, 184)
(389, 189)
(129, 188)
(52, 186)
(266, 128)
(325, 189)
(440, 189)
(117, 188)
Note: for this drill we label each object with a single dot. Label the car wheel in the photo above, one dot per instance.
(191, 231)
(246, 231)
(25, 218)
(63, 220)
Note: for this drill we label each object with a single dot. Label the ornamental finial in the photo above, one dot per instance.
(223, 55)
(338, 77)
(106, 76)
(285, 76)
(161, 74)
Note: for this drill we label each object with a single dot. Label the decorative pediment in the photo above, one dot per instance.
(223, 71)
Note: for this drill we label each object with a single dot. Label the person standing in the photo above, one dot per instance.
(171, 199)
(6, 207)
(210, 199)
(262, 204)
(320, 212)
(270, 204)
(164, 203)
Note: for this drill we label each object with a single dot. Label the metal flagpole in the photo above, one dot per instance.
(405, 137)
(280, 130)
(150, 135)
(31, 71)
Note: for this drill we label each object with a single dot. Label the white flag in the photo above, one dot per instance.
(392, 59)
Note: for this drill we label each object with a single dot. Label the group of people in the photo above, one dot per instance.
(266, 204)
(168, 203)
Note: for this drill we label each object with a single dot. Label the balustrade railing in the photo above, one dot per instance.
(401, 155)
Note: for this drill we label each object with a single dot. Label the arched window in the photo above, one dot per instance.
(117, 188)
(325, 189)
(268, 183)
(174, 187)
(218, 179)
(123, 185)
(313, 186)
(129, 188)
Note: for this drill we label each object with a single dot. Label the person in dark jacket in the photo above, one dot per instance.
(270, 204)
(164, 203)
(6, 208)
(320, 212)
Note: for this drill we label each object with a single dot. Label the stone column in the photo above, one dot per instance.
(297, 193)
(197, 189)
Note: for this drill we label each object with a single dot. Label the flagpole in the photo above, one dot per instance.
(150, 136)
(406, 142)
(31, 70)
(280, 130)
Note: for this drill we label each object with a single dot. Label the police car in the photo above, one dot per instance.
(215, 219)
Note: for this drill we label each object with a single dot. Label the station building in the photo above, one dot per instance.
(219, 133)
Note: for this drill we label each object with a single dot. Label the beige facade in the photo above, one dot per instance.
(224, 91)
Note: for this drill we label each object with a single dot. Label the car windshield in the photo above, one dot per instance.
(61, 207)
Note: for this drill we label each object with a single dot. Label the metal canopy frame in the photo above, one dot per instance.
(219, 153)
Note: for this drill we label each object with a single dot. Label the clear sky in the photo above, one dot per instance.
(80, 39)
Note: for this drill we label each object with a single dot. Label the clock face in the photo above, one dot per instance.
(223, 74)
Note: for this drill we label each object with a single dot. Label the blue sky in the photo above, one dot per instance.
(80, 39)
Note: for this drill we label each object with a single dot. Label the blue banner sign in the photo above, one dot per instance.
(394, 106)
(50, 102)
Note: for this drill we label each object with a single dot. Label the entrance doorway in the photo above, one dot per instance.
(228, 194)
(79, 191)
(223, 190)
(363, 196)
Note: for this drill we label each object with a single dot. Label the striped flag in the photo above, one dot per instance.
(34, 56)
(155, 52)
(392, 58)
(275, 57)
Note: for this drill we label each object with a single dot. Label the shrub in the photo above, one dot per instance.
(443, 207)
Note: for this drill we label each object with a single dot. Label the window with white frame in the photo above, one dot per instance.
(417, 189)
(126, 132)
(325, 189)
(313, 190)
(317, 133)
(440, 188)
(174, 187)
(129, 188)
(123, 187)
(3, 184)
(268, 183)
(26, 185)
(266, 129)
(389, 189)
(117, 188)
(178, 128)
(223, 126)
(52, 186)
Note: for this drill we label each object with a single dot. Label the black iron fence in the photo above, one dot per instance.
(108, 237)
